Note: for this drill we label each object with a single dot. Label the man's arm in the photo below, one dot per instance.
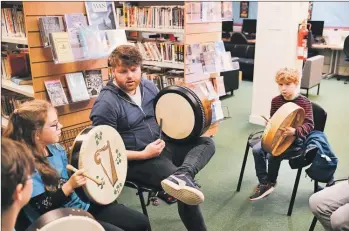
(135, 155)
(152, 150)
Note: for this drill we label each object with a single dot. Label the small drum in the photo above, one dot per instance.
(288, 115)
(101, 152)
(66, 219)
(186, 112)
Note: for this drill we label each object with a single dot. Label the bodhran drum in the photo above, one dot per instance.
(186, 112)
(288, 115)
(66, 219)
(100, 150)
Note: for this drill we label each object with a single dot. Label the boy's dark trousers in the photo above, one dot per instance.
(260, 160)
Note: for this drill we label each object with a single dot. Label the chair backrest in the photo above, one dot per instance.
(320, 117)
(238, 38)
(312, 71)
(346, 46)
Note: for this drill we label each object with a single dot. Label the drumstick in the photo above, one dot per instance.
(160, 128)
(71, 168)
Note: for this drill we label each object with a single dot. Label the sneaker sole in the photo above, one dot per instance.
(266, 193)
(185, 194)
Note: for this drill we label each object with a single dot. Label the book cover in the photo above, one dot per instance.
(77, 87)
(73, 23)
(22, 80)
(61, 49)
(49, 24)
(101, 14)
(94, 82)
(56, 93)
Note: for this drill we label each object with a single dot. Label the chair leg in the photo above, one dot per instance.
(307, 92)
(294, 192)
(313, 224)
(316, 186)
(144, 207)
(243, 167)
(318, 89)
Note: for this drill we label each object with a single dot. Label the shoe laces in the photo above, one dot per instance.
(196, 183)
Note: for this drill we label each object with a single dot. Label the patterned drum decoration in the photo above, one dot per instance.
(66, 219)
(288, 115)
(101, 152)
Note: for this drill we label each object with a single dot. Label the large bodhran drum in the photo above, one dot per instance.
(100, 150)
(66, 219)
(186, 112)
(288, 115)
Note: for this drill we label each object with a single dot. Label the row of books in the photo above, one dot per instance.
(209, 11)
(162, 80)
(15, 64)
(81, 86)
(10, 101)
(162, 51)
(12, 22)
(153, 16)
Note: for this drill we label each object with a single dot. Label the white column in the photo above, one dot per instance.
(277, 30)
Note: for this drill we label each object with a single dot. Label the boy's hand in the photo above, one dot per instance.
(289, 131)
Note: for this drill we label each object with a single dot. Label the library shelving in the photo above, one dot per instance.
(26, 90)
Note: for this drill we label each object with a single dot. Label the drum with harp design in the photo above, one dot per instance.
(66, 219)
(100, 150)
(288, 115)
(186, 112)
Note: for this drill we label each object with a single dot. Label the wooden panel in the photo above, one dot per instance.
(75, 118)
(40, 86)
(34, 39)
(202, 38)
(32, 23)
(53, 8)
(50, 68)
(199, 28)
(39, 54)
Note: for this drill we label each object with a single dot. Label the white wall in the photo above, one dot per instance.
(277, 29)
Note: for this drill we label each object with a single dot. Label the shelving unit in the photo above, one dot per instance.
(165, 64)
(4, 121)
(155, 30)
(26, 90)
(15, 40)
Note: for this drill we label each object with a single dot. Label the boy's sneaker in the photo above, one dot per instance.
(262, 191)
(183, 188)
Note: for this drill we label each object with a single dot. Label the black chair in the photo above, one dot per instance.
(314, 221)
(320, 117)
(346, 52)
(238, 38)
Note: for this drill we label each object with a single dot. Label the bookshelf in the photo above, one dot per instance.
(26, 90)
(15, 40)
(165, 64)
(155, 30)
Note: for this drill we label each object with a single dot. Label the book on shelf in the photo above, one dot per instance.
(94, 82)
(162, 80)
(22, 80)
(10, 101)
(48, 25)
(73, 23)
(219, 84)
(12, 22)
(61, 48)
(101, 14)
(77, 87)
(55, 92)
(19, 64)
(162, 51)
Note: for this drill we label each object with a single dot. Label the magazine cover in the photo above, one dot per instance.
(101, 14)
(94, 82)
(56, 93)
(77, 88)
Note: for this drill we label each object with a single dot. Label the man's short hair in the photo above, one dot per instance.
(287, 75)
(125, 55)
(17, 164)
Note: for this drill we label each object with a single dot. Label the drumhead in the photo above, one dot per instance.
(182, 113)
(288, 115)
(101, 151)
(66, 219)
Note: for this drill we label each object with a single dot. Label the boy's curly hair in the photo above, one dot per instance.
(287, 75)
(126, 55)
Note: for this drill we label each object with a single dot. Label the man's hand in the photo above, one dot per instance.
(154, 149)
(289, 131)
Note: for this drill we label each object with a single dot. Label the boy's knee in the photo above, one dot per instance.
(209, 142)
(314, 203)
(339, 220)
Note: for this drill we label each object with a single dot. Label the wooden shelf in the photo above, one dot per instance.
(157, 30)
(15, 40)
(4, 121)
(22, 89)
(165, 64)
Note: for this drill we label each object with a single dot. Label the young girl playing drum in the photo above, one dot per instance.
(36, 124)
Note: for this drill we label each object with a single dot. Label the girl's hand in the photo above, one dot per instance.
(75, 181)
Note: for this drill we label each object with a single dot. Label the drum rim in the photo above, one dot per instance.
(179, 90)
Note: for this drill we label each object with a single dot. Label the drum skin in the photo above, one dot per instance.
(101, 151)
(200, 105)
(59, 219)
(288, 115)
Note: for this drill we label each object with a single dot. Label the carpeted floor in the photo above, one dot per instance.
(225, 209)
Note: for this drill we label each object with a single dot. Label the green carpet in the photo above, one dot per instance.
(225, 209)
